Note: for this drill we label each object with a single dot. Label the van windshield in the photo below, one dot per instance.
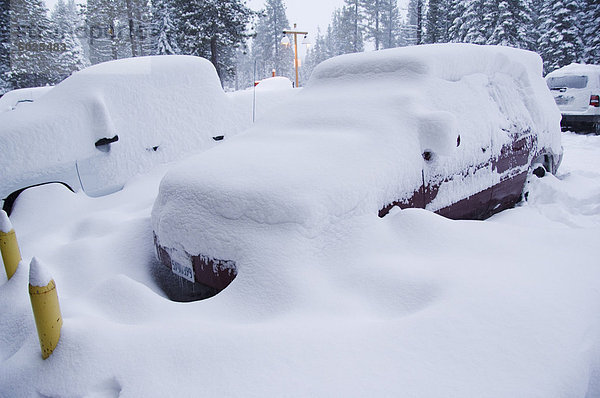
(558, 82)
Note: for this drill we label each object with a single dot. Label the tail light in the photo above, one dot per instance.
(595, 100)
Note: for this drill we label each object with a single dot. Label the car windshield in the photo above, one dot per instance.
(558, 82)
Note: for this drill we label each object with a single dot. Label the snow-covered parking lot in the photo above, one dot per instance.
(410, 305)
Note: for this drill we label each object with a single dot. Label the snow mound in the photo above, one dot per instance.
(275, 83)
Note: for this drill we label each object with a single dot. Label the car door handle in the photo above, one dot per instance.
(106, 141)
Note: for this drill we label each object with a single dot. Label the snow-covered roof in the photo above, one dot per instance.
(576, 69)
(352, 142)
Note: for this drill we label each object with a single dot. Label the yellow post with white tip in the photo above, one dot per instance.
(46, 310)
(11, 255)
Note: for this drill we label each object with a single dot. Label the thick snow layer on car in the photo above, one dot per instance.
(13, 98)
(275, 83)
(576, 69)
(352, 141)
(160, 107)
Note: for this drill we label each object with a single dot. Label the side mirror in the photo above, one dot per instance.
(106, 141)
(103, 144)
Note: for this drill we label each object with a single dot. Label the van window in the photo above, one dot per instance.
(558, 82)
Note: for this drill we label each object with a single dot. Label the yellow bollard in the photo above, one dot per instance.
(46, 310)
(8, 245)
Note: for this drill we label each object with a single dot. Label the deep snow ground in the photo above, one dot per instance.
(409, 305)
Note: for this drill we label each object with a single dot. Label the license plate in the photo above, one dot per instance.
(184, 270)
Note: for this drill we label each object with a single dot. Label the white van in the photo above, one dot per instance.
(576, 90)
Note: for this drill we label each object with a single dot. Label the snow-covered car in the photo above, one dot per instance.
(456, 129)
(102, 125)
(576, 90)
(12, 99)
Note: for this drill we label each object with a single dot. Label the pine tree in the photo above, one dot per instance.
(457, 30)
(164, 28)
(108, 30)
(536, 22)
(266, 46)
(31, 61)
(591, 31)
(4, 47)
(352, 18)
(136, 23)
(65, 21)
(390, 24)
(560, 43)
(373, 14)
(513, 26)
(213, 29)
(414, 21)
(437, 21)
(474, 22)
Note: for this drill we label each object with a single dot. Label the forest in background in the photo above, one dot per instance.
(39, 47)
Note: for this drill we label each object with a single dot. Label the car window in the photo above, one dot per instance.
(558, 82)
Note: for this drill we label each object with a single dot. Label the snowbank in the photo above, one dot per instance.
(352, 141)
(411, 305)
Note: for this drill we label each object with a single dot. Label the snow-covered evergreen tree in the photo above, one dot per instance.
(513, 26)
(108, 30)
(457, 30)
(373, 13)
(165, 28)
(66, 21)
(477, 25)
(4, 47)
(437, 21)
(390, 24)
(213, 29)
(351, 21)
(136, 20)
(31, 61)
(314, 56)
(560, 42)
(414, 22)
(591, 31)
(266, 46)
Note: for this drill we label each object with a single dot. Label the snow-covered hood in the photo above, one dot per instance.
(352, 142)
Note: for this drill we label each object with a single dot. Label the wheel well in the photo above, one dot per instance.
(9, 201)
